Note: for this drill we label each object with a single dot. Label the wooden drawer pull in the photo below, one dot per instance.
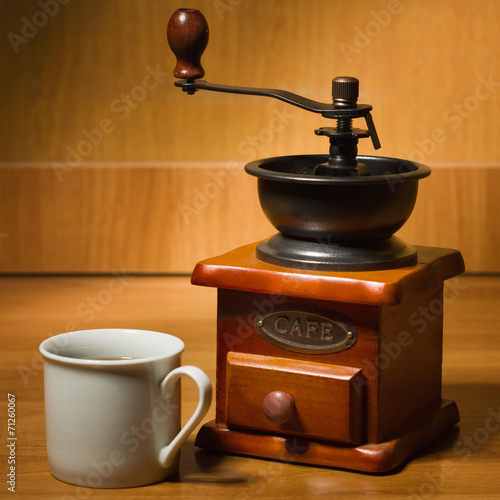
(278, 407)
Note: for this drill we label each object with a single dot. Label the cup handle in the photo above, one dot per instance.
(167, 387)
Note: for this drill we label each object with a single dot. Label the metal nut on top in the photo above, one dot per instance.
(345, 91)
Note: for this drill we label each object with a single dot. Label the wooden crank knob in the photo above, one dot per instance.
(187, 35)
(278, 407)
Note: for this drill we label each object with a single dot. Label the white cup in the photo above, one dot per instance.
(116, 423)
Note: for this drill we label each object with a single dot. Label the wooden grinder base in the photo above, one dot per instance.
(367, 407)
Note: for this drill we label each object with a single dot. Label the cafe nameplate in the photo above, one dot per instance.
(306, 332)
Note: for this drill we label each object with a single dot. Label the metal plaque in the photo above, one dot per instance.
(306, 332)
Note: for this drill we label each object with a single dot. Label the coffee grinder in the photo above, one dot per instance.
(323, 356)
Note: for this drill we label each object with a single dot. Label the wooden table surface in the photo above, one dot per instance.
(463, 463)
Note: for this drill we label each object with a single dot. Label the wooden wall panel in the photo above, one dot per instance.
(138, 218)
(159, 218)
(456, 208)
(90, 118)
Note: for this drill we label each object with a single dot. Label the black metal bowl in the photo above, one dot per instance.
(337, 209)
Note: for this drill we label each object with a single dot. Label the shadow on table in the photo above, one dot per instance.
(479, 426)
(201, 466)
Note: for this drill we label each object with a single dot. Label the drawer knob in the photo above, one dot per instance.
(278, 407)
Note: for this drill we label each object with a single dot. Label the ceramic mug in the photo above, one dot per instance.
(112, 406)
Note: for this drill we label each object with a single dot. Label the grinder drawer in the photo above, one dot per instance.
(293, 397)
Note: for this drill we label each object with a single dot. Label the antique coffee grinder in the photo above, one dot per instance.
(323, 353)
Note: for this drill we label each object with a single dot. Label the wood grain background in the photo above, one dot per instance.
(105, 165)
